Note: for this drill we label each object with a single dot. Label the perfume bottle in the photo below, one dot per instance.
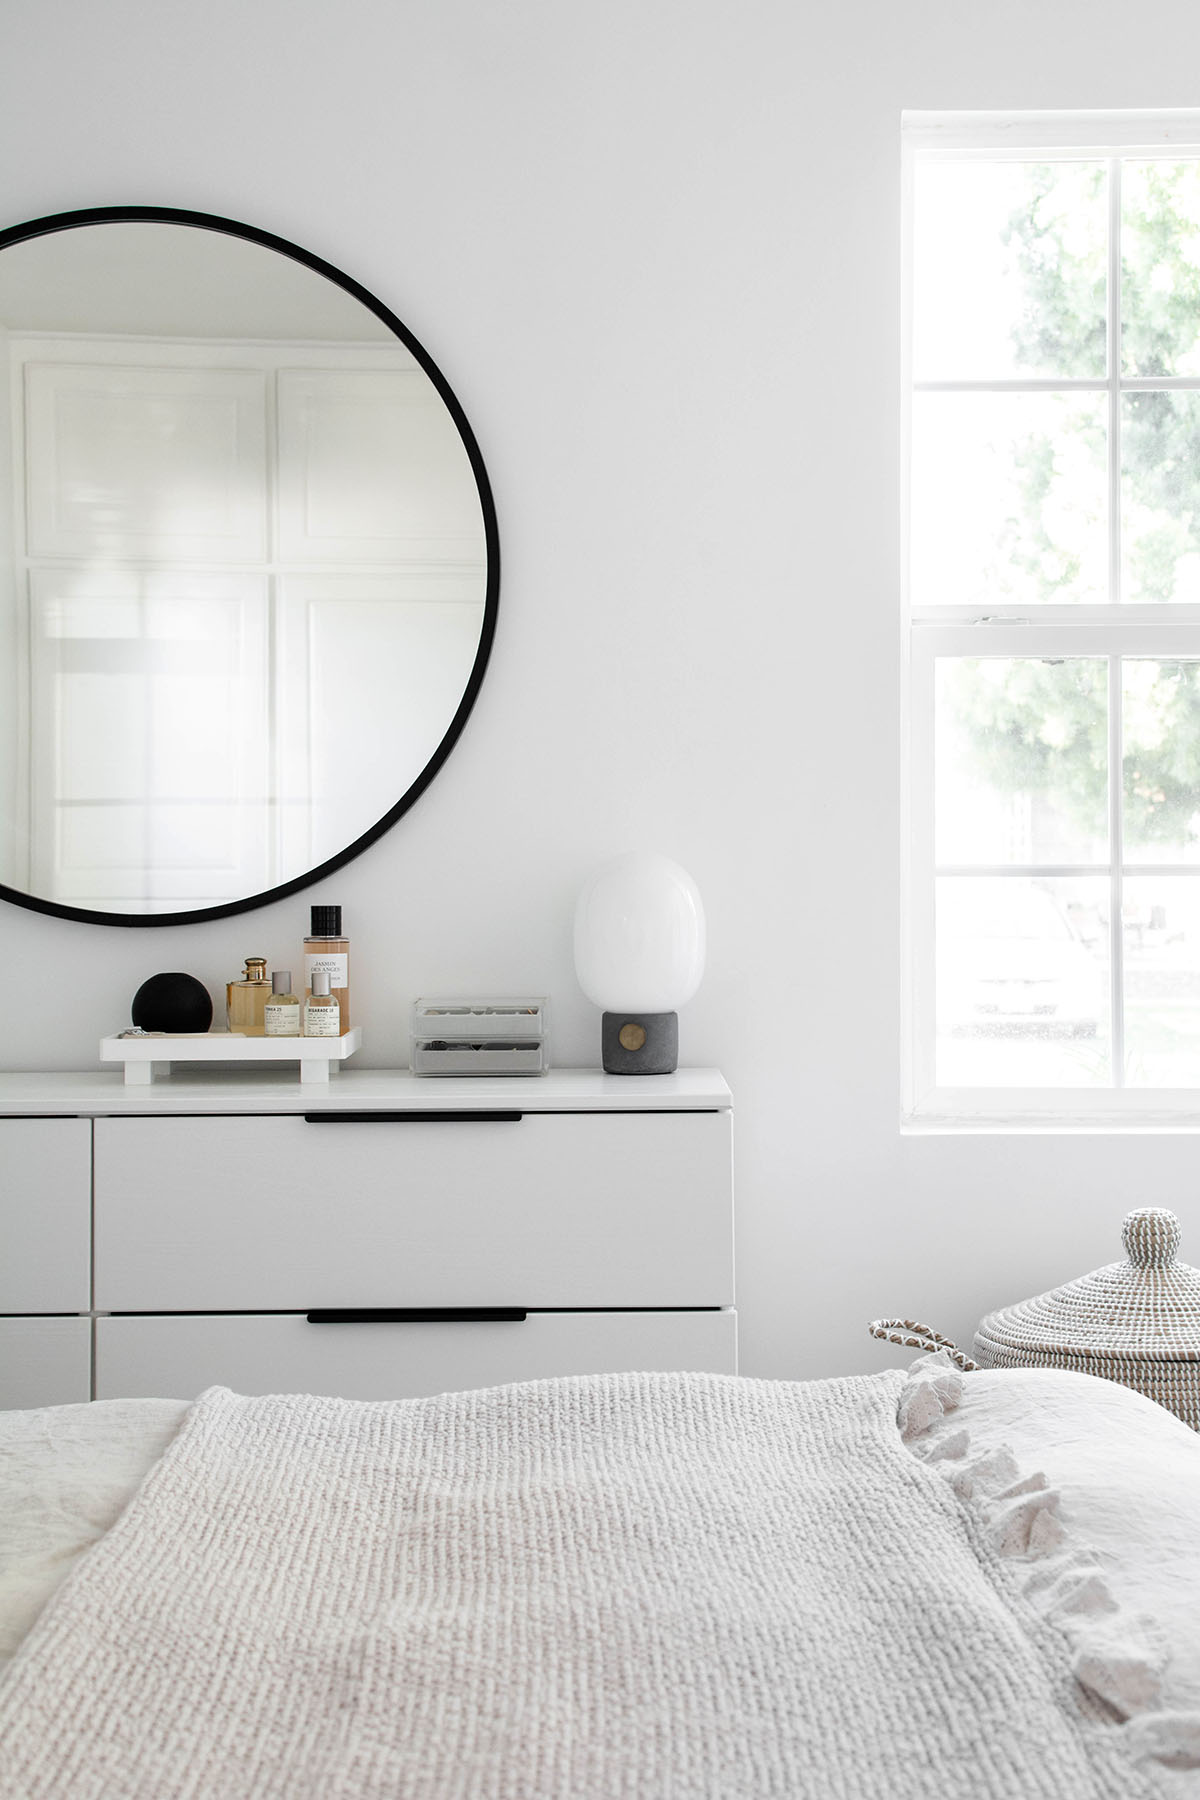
(246, 1000)
(322, 1015)
(281, 1016)
(327, 951)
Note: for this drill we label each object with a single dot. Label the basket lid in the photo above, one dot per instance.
(1145, 1307)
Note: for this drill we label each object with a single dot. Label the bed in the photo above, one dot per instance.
(688, 1586)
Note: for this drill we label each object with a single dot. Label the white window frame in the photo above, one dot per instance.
(1108, 630)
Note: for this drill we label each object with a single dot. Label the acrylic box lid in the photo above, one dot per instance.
(478, 1021)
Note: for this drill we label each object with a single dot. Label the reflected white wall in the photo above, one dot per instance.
(12, 849)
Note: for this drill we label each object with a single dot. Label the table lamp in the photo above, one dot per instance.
(639, 954)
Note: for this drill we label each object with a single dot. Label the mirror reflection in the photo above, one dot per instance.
(244, 577)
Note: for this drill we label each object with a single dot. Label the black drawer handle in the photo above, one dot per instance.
(413, 1118)
(416, 1315)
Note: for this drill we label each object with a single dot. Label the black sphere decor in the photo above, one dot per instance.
(172, 1003)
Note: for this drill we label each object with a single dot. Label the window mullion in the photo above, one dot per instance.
(1114, 382)
(919, 855)
(1116, 781)
(1116, 939)
(1022, 384)
(1026, 871)
(1010, 637)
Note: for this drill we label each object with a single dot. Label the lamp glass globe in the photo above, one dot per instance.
(640, 935)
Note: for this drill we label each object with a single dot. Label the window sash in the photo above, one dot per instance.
(924, 1098)
(1162, 132)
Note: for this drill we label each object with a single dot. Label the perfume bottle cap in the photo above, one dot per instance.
(281, 981)
(256, 968)
(320, 982)
(326, 921)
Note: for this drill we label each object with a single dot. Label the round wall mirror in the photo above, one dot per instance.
(248, 567)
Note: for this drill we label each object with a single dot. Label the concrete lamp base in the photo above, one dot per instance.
(639, 1043)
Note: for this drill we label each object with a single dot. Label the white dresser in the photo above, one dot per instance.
(383, 1237)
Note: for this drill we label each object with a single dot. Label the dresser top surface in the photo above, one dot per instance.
(268, 1090)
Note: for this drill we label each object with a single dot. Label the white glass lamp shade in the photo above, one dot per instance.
(639, 935)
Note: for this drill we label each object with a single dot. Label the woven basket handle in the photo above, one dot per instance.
(919, 1337)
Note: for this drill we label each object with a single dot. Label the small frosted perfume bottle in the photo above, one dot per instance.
(246, 1000)
(327, 950)
(322, 1015)
(281, 1016)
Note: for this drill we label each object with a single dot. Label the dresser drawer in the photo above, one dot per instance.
(178, 1357)
(45, 1215)
(548, 1210)
(45, 1362)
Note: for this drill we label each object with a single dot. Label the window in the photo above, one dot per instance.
(1053, 602)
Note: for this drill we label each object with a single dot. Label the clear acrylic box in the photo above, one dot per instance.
(479, 1037)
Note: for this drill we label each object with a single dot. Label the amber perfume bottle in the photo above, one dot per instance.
(246, 1000)
(328, 952)
(282, 1013)
(321, 1012)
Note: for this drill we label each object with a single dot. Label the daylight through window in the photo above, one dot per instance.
(1053, 562)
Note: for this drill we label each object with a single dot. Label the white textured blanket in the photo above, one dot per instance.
(650, 1586)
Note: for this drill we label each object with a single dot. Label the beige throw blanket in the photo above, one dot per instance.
(679, 1586)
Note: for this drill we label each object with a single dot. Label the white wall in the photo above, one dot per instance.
(654, 246)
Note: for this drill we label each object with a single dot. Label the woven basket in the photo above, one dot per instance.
(1136, 1322)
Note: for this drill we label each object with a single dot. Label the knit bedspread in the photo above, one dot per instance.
(666, 1587)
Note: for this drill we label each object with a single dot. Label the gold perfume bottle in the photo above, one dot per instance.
(246, 1000)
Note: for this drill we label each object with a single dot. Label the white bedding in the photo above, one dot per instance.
(1128, 1474)
(66, 1474)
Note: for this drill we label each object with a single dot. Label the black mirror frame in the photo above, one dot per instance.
(165, 215)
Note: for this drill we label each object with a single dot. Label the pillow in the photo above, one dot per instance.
(1094, 1490)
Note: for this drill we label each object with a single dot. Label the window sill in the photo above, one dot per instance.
(1177, 1113)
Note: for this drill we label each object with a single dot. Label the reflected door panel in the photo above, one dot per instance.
(155, 462)
(369, 669)
(136, 678)
(371, 469)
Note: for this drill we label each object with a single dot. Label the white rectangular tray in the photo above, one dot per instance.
(146, 1058)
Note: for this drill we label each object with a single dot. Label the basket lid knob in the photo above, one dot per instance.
(1150, 1236)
